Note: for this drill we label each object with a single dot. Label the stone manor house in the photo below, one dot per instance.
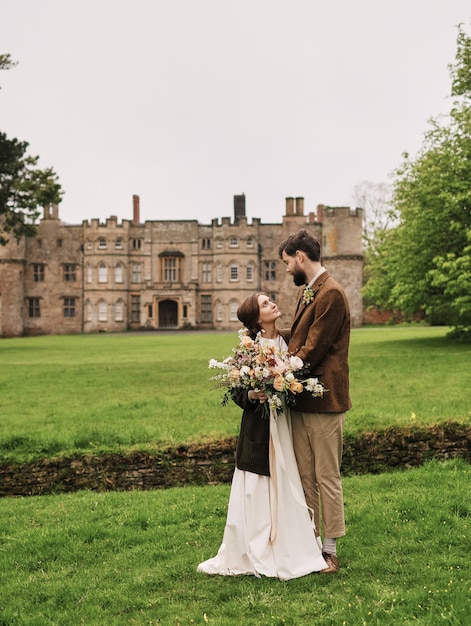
(164, 274)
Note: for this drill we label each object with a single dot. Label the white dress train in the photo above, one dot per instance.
(268, 529)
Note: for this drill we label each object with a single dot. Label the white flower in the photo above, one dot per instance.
(295, 362)
(314, 386)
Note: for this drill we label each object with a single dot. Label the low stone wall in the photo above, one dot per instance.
(213, 463)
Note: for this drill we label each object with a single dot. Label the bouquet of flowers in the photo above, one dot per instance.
(262, 367)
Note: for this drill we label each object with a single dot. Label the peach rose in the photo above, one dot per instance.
(246, 341)
(235, 374)
(278, 383)
(296, 386)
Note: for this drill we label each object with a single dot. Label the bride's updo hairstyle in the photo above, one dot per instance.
(249, 313)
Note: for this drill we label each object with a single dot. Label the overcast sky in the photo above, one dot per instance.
(187, 103)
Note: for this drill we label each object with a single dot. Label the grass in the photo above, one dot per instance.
(121, 393)
(130, 559)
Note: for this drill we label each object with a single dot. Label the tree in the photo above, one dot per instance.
(411, 269)
(6, 62)
(378, 216)
(23, 188)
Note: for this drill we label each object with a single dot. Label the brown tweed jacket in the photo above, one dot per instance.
(320, 336)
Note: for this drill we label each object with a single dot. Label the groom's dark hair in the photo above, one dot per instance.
(302, 240)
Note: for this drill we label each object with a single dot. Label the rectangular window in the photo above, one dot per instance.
(234, 272)
(34, 309)
(206, 277)
(136, 273)
(171, 269)
(270, 270)
(38, 272)
(69, 272)
(136, 244)
(206, 309)
(135, 309)
(69, 307)
(206, 244)
(102, 243)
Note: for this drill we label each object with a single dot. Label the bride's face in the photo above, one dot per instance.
(268, 310)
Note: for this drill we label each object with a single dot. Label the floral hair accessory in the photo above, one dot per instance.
(308, 295)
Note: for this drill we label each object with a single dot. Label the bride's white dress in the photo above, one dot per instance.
(268, 529)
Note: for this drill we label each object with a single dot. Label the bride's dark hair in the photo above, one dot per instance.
(249, 313)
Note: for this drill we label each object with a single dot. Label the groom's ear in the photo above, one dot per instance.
(300, 256)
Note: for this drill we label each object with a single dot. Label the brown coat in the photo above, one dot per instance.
(320, 336)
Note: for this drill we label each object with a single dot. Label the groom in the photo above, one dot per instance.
(320, 336)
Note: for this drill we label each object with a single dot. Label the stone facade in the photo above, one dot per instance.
(164, 274)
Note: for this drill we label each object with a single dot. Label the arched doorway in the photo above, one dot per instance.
(168, 313)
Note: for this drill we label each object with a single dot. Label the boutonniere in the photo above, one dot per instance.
(308, 295)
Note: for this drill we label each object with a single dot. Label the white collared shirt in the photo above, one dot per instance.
(313, 280)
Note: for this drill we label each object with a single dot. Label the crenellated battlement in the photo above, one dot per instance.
(118, 275)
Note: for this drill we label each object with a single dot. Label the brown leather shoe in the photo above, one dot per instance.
(333, 564)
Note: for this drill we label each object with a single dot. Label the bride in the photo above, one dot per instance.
(269, 531)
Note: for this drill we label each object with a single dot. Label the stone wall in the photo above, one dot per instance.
(213, 463)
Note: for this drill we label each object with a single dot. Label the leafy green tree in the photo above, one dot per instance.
(24, 188)
(413, 268)
(6, 62)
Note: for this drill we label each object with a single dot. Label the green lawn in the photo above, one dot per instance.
(94, 393)
(124, 559)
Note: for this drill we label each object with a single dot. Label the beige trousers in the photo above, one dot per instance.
(318, 446)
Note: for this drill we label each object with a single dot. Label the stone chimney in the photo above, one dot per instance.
(299, 206)
(289, 206)
(51, 212)
(239, 207)
(136, 218)
(320, 212)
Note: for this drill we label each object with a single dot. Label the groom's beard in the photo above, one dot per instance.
(299, 278)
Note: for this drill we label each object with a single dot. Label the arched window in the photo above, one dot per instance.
(119, 311)
(219, 273)
(88, 311)
(118, 273)
(249, 273)
(102, 311)
(102, 273)
(89, 273)
(219, 311)
(233, 306)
